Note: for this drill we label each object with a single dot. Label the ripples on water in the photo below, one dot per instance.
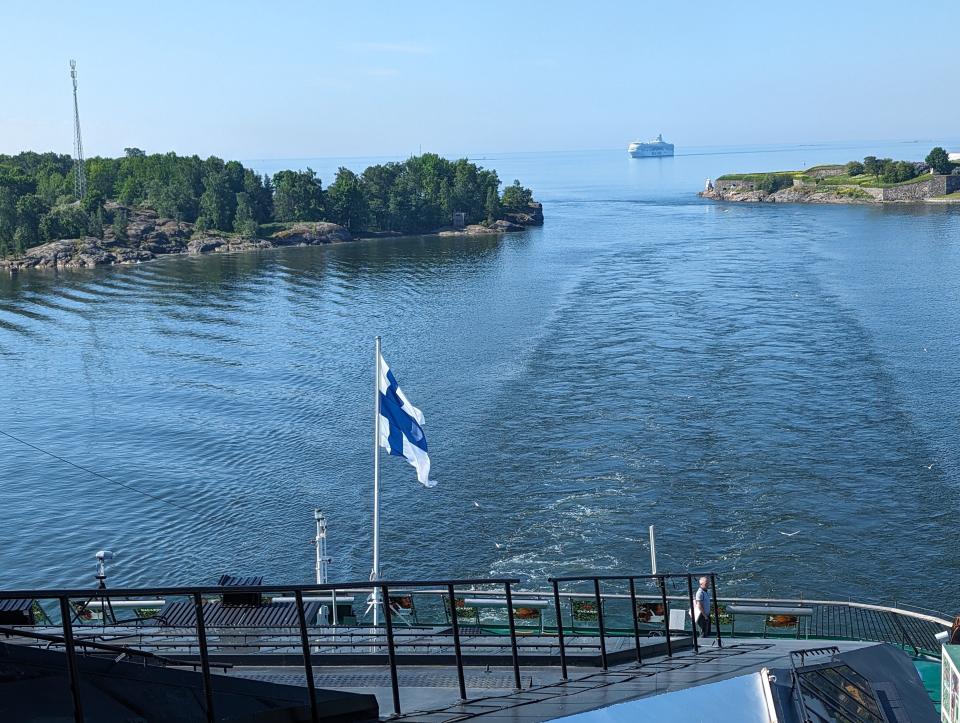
(727, 373)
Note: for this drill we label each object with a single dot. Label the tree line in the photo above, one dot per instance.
(418, 195)
(888, 170)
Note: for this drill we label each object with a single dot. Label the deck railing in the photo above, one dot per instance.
(310, 641)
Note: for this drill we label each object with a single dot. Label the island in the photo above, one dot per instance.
(140, 206)
(873, 180)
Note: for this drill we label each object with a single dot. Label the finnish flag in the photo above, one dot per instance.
(401, 433)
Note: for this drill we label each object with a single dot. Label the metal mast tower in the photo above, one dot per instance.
(320, 542)
(80, 171)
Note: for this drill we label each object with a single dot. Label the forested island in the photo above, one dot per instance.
(141, 205)
(873, 180)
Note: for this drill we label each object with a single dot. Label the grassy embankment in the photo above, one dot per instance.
(807, 176)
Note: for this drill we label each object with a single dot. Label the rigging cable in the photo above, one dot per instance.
(165, 501)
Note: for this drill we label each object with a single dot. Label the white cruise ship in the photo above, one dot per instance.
(651, 149)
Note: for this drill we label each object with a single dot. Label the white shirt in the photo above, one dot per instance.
(703, 597)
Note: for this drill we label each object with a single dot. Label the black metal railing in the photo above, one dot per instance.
(201, 639)
(661, 581)
(197, 593)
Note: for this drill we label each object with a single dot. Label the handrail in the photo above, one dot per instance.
(794, 600)
(879, 626)
(196, 593)
(661, 581)
(87, 643)
(656, 576)
(189, 591)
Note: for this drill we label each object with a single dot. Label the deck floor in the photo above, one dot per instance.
(429, 693)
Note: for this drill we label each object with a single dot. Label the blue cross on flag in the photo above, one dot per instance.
(401, 433)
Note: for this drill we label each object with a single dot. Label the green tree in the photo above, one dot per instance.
(92, 202)
(64, 222)
(871, 166)
(21, 242)
(4, 248)
(492, 205)
(346, 202)
(377, 182)
(121, 220)
(101, 176)
(244, 222)
(260, 192)
(939, 160)
(218, 202)
(30, 209)
(297, 196)
(51, 186)
(8, 212)
(854, 168)
(173, 200)
(131, 192)
(134, 153)
(896, 171)
(516, 197)
(97, 223)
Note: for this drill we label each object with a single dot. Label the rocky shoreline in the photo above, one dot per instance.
(787, 195)
(831, 184)
(150, 237)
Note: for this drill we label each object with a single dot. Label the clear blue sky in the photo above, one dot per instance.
(302, 79)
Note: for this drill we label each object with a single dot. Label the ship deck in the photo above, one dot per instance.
(430, 693)
(447, 650)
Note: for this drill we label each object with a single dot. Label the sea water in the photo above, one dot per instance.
(773, 386)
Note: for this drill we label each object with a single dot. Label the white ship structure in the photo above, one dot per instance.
(652, 149)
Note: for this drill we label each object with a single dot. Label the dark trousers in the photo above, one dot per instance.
(703, 626)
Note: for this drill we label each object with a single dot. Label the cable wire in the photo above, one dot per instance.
(165, 501)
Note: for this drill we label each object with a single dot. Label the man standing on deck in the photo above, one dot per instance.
(702, 603)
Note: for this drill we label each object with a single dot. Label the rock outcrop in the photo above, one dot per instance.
(531, 217)
(796, 194)
(149, 236)
(310, 234)
(510, 223)
(923, 188)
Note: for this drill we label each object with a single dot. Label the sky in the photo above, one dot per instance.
(258, 80)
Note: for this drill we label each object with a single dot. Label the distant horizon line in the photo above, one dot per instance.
(481, 155)
(732, 148)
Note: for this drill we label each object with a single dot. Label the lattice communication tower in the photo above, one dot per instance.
(80, 170)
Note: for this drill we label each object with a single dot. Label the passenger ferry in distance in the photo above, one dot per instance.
(653, 149)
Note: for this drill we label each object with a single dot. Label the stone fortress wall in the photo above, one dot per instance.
(930, 187)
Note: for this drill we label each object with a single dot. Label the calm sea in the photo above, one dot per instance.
(729, 373)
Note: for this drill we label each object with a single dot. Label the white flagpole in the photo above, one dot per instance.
(375, 573)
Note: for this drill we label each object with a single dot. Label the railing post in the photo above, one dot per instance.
(662, 582)
(603, 637)
(563, 652)
(636, 620)
(716, 607)
(693, 620)
(307, 663)
(391, 652)
(456, 641)
(513, 638)
(204, 658)
(71, 654)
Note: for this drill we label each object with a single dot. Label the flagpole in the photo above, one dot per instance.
(375, 573)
